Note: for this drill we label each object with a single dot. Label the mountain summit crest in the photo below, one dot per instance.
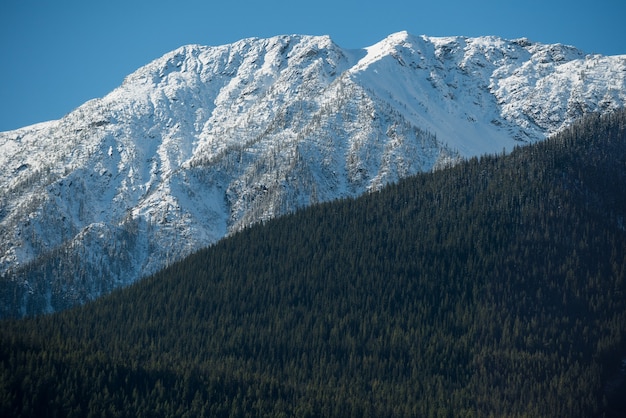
(209, 139)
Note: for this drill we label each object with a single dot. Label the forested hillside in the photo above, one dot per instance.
(493, 288)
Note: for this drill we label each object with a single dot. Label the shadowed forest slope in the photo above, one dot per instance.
(495, 287)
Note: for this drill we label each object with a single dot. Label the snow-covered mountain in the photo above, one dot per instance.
(207, 140)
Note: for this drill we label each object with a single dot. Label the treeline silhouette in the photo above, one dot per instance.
(492, 288)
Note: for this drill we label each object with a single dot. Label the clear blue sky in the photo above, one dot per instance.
(57, 54)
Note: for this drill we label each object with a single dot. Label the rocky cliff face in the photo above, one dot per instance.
(206, 140)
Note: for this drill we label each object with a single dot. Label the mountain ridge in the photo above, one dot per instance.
(206, 140)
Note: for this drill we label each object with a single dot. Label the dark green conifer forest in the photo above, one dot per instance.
(492, 288)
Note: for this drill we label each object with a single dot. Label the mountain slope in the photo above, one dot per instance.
(206, 140)
(494, 288)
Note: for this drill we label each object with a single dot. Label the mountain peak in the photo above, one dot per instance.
(399, 37)
(208, 139)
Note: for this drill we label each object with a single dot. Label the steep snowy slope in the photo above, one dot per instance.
(207, 140)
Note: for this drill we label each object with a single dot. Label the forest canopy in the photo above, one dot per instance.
(492, 288)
